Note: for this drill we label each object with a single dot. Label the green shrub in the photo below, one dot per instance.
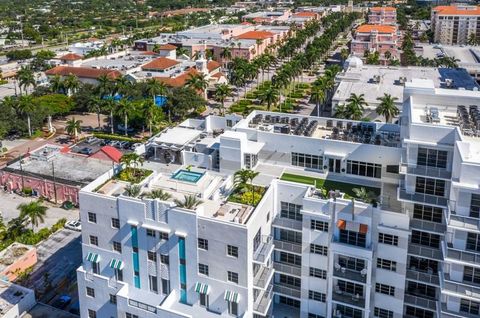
(59, 225)
(116, 137)
(250, 198)
(27, 191)
(134, 175)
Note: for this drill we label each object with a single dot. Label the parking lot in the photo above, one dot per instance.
(91, 145)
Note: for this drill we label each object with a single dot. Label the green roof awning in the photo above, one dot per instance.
(231, 296)
(93, 257)
(201, 288)
(116, 264)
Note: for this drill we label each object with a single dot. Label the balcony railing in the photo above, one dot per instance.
(452, 314)
(423, 277)
(422, 198)
(465, 222)
(287, 290)
(464, 256)
(288, 246)
(430, 172)
(263, 302)
(287, 269)
(461, 288)
(287, 223)
(350, 274)
(263, 277)
(420, 302)
(428, 226)
(354, 300)
(425, 251)
(264, 250)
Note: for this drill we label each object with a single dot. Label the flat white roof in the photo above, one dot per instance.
(177, 136)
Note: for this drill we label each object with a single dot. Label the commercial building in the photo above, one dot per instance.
(306, 249)
(382, 15)
(384, 39)
(455, 24)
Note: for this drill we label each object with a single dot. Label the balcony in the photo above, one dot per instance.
(287, 269)
(287, 223)
(425, 251)
(423, 277)
(288, 246)
(262, 304)
(287, 290)
(422, 198)
(353, 300)
(464, 222)
(430, 172)
(452, 314)
(428, 226)
(464, 256)
(350, 275)
(420, 302)
(264, 250)
(263, 277)
(461, 289)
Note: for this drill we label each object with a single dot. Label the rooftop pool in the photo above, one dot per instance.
(187, 176)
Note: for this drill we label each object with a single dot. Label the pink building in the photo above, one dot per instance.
(15, 259)
(382, 15)
(377, 38)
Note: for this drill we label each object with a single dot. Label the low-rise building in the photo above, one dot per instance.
(86, 75)
(456, 24)
(15, 300)
(370, 38)
(15, 259)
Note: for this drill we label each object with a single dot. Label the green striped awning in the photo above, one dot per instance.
(201, 288)
(93, 257)
(231, 296)
(116, 264)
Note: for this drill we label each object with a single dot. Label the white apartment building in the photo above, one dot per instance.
(307, 249)
(455, 24)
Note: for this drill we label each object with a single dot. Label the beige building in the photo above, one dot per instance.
(455, 24)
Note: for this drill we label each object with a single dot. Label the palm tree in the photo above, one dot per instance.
(124, 109)
(190, 202)
(34, 211)
(198, 82)
(387, 107)
(26, 107)
(317, 95)
(73, 127)
(355, 106)
(363, 195)
(25, 78)
(158, 194)
(155, 88)
(269, 94)
(149, 109)
(56, 84)
(226, 56)
(223, 92)
(387, 55)
(472, 39)
(182, 51)
(242, 179)
(95, 105)
(104, 86)
(71, 84)
(133, 190)
(344, 54)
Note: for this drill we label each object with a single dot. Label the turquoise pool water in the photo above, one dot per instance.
(187, 176)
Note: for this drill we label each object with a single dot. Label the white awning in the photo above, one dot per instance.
(156, 228)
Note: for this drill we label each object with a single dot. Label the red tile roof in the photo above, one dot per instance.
(148, 53)
(367, 28)
(168, 47)
(112, 152)
(305, 14)
(383, 9)
(218, 75)
(454, 10)
(160, 63)
(213, 65)
(178, 81)
(71, 57)
(82, 72)
(255, 35)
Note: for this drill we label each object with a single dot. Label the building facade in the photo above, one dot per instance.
(307, 249)
(456, 24)
(372, 38)
(382, 15)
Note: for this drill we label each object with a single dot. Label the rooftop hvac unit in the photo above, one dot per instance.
(402, 80)
(376, 79)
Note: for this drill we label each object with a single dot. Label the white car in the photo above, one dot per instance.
(74, 225)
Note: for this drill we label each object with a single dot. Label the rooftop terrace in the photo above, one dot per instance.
(11, 295)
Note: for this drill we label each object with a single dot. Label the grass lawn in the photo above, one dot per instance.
(328, 184)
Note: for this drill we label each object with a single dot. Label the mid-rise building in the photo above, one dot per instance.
(384, 39)
(382, 15)
(307, 248)
(456, 24)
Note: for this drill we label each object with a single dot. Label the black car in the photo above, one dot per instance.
(62, 302)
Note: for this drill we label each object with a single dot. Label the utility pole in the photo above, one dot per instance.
(54, 182)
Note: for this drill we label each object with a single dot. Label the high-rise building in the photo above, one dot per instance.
(404, 243)
(382, 39)
(456, 24)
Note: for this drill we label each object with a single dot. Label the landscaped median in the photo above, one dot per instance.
(328, 185)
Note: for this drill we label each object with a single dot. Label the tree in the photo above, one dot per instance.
(27, 108)
(189, 202)
(124, 109)
(268, 94)
(56, 84)
(159, 194)
(73, 127)
(25, 79)
(472, 39)
(71, 84)
(387, 55)
(34, 211)
(355, 106)
(344, 54)
(387, 107)
(182, 100)
(318, 96)
(198, 82)
(155, 87)
(133, 190)
(242, 179)
(226, 56)
(95, 105)
(149, 112)
(182, 51)
(223, 92)
(363, 195)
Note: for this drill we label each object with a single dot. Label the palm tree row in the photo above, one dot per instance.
(356, 104)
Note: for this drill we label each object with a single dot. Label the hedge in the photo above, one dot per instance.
(116, 137)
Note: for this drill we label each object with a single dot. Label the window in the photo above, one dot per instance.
(386, 264)
(319, 225)
(129, 315)
(422, 290)
(164, 259)
(202, 244)
(318, 273)
(307, 161)
(349, 311)
(475, 206)
(350, 288)
(289, 280)
(473, 242)
(90, 292)
(290, 211)
(289, 301)
(427, 213)
(115, 223)
(204, 300)
(469, 306)
(432, 158)
(203, 269)
(423, 265)
(93, 240)
(353, 238)
(385, 289)
(388, 239)
(119, 274)
(471, 274)
(318, 249)
(152, 256)
(232, 308)
(150, 233)
(430, 186)
(364, 169)
(153, 283)
(382, 313)
(165, 286)
(313, 295)
(312, 315)
(92, 217)
(93, 314)
(393, 169)
(425, 239)
(291, 259)
(351, 263)
(117, 246)
(232, 250)
(290, 236)
(163, 236)
(232, 277)
(96, 267)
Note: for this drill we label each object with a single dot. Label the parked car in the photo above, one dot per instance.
(75, 308)
(135, 146)
(62, 302)
(86, 151)
(74, 225)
